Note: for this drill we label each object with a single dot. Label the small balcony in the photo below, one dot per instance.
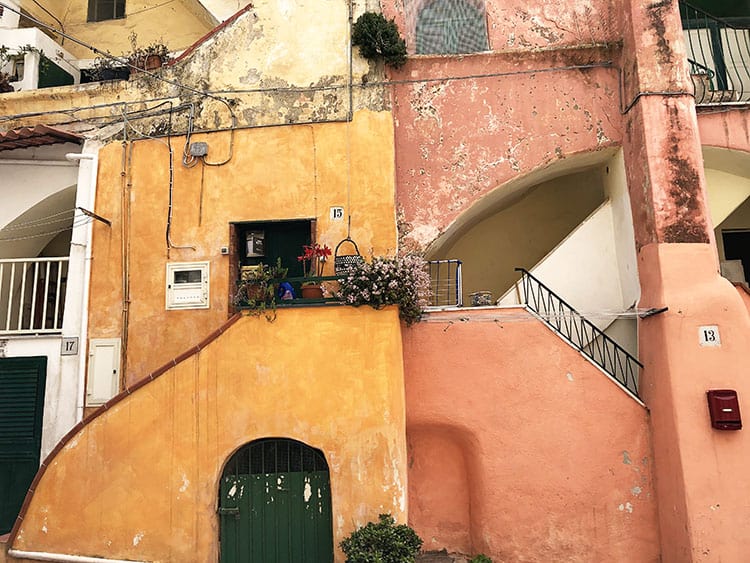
(718, 51)
(32, 295)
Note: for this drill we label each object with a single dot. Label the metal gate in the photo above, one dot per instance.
(275, 504)
(21, 408)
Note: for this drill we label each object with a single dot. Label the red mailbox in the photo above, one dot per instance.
(724, 407)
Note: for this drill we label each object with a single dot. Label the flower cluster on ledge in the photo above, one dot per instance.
(402, 281)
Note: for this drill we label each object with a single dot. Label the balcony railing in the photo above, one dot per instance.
(580, 332)
(32, 295)
(718, 56)
(446, 284)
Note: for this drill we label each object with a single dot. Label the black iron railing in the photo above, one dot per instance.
(580, 332)
(718, 56)
(445, 283)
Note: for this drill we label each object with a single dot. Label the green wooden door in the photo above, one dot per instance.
(21, 407)
(275, 505)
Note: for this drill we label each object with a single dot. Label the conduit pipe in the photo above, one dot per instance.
(83, 333)
(45, 556)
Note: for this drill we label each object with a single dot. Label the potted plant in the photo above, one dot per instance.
(256, 288)
(148, 58)
(313, 259)
(5, 78)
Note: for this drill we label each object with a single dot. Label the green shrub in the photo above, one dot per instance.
(378, 37)
(481, 558)
(382, 542)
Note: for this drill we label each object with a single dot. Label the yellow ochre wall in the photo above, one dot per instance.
(177, 24)
(141, 481)
(275, 173)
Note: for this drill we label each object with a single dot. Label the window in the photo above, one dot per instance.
(451, 27)
(100, 10)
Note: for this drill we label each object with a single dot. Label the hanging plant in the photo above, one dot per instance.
(378, 37)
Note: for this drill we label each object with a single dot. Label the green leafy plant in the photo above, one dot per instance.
(378, 37)
(402, 281)
(139, 56)
(5, 78)
(256, 289)
(382, 542)
(481, 558)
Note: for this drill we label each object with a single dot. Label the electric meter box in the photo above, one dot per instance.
(187, 285)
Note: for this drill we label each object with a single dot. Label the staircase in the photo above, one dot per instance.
(581, 333)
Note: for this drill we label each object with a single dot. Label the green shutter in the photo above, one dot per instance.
(21, 407)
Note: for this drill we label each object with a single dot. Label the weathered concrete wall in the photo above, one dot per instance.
(177, 24)
(141, 480)
(515, 25)
(272, 64)
(729, 130)
(521, 449)
(275, 173)
(459, 140)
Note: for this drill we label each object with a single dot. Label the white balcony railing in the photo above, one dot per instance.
(32, 295)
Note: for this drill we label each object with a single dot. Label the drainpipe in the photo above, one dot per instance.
(88, 203)
(44, 556)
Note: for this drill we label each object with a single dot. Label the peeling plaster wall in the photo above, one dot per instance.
(276, 63)
(275, 173)
(518, 25)
(553, 459)
(459, 140)
(151, 463)
(178, 24)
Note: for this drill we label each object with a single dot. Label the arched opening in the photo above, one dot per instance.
(275, 504)
(572, 230)
(728, 187)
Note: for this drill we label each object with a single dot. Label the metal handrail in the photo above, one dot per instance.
(721, 51)
(446, 283)
(32, 295)
(581, 333)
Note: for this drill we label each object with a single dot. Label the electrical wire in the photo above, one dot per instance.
(46, 220)
(76, 223)
(106, 55)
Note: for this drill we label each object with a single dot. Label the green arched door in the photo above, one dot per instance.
(275, 504)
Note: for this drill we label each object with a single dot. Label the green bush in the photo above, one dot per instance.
(382, 542)
(481, 558)
(378, 37)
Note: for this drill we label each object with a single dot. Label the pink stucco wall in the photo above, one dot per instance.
(521, 449)
(701, 472)
(503, 116)
(730, 130)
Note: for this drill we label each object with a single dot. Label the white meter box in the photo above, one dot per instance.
(187, 285)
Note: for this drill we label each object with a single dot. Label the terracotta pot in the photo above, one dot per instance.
(152, 62)
(255, 292)
(312, 292)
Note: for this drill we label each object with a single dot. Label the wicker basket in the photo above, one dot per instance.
(343, 262)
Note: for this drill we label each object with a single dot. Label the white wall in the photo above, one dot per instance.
(63, 405)
(583, 269)
(616, 189)
(58, 416)
(16, 38)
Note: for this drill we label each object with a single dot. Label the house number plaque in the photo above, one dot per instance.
(69, 346)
